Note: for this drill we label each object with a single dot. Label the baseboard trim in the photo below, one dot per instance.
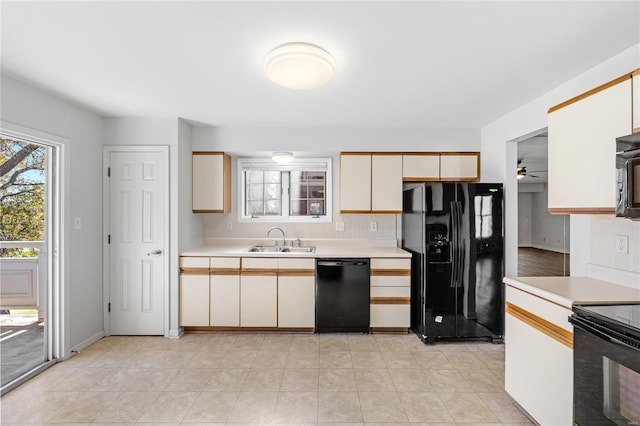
(87, 342)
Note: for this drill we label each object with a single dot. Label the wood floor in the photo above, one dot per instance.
(533, 262)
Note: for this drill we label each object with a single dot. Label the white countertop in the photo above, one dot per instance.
(322, 251)
(569, 291)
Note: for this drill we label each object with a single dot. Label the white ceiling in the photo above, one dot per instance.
(418, 64)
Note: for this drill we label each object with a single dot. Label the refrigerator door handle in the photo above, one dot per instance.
(454, 248)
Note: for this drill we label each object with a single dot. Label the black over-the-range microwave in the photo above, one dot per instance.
(628, 176)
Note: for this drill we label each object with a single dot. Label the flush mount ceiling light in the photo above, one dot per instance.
(282, 157)
(299, 66)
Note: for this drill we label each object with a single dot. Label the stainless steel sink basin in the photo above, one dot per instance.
(274, 249)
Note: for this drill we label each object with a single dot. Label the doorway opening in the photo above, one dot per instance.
(543, 238)
(30, 215)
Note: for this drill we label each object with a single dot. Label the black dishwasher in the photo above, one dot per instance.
(342, 295)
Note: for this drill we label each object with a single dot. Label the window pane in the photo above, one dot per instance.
(298, 208)
(272, 191)
(255, 176)
(307, 191)
(273, 207)
(255, 192)
(272, 177)
(316, 191)
(255, 208)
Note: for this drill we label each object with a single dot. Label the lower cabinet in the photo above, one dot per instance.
(539, 357)
(259, 292)
(390, 293)
(224, 292)
(194, 288)
(296, 293)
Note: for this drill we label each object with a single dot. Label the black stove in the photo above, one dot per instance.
(624, 319)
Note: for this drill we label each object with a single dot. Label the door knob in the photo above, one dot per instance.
(155, 253)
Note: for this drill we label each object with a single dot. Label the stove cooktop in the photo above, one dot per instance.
(627, 316)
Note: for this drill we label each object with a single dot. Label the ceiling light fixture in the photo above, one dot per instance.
(282, 157)
(300, 66)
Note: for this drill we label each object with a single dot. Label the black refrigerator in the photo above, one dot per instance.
(454, 232)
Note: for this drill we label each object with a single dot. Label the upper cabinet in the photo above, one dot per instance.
(441, 166)
(582, 133)
(421, 167)
(370, 183)
(460, 166)
(211, 182)
(636, 100)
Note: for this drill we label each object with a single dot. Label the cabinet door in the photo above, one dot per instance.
(296, 301)
(355, 183)
(225, 301)
(211, 182)
(421, 167)
(582, 149)
(386, 183)
(259, 300)
(636, 101)
(463, 166)
(194, 300)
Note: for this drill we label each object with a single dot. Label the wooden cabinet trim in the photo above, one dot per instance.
(296, 273)
(355, 211)
(593, 91)
(433, 154)
(385, 153)
(461, 153)
(390, 301)
(259, 272)
(391, 272)
(208, 153)
(355, 153)
(225, 271)
(548, 328)
(635, 72)
(194, 271)
(582, 210)
(419, 179)
(385, 211)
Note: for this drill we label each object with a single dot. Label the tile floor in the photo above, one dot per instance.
(270, 379)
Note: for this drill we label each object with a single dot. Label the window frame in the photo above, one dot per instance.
(314, 164)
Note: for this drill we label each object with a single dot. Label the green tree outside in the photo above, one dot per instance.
(21, 195)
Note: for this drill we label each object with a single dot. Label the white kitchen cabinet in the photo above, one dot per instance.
(539, 357)
(421, 167)
(386, 183)
(224, 302)
(355, 182)
(582, 133)
(296, 293)
(460, 166)
(194, 292)
(211, 182)
(370, 183)
(636, 100)
(390, 294)
(259, 292)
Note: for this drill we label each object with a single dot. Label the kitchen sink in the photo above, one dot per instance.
(278, 249)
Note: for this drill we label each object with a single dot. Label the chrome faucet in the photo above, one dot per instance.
(284, 241)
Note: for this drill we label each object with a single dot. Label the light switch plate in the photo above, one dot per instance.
(340, 226)
(622, 244)
(373, 226)
(77, 222)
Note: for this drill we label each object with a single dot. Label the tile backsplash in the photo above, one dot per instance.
(356, 226)
(604, 230)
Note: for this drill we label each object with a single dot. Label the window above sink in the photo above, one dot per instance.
(298, 192)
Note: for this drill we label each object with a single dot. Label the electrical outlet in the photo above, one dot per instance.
(622, 244)
(373, 226)
(228, 226)
(77, 222)
(340, 226)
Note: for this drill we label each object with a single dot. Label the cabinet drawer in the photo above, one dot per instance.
(390, 263)
(390, 281)
(259, 263)
(194, 262)
(390, 292)
(390, 316)
(297, 263)
(555, 314)
(225, 262)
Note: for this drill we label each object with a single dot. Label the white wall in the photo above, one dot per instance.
(175, 134)
(318, 142)
(525, 220)
(499, 154)
(82, 287)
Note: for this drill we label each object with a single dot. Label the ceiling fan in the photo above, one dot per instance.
(521, 171)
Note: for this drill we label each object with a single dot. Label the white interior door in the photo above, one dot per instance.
(138, 194)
